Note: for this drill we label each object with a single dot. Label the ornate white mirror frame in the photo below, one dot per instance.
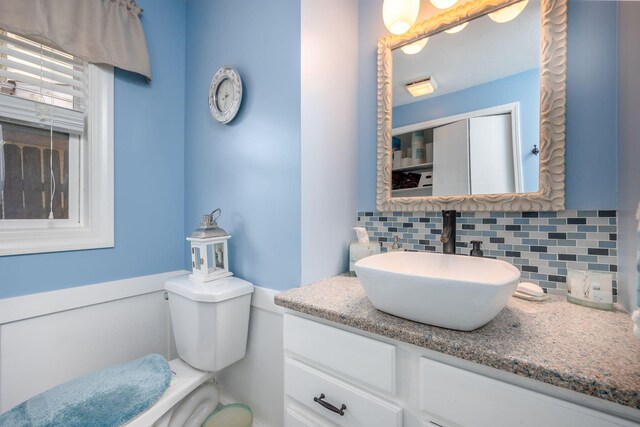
(553, 64)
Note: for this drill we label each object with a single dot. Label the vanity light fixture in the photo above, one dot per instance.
(400, 15)
(415, 47)
(422, 87)
(508, 13)
(443, 4)
(457, 28)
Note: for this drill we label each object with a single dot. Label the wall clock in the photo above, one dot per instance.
(225, 94)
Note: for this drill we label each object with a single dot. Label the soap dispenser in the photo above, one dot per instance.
(477, 248)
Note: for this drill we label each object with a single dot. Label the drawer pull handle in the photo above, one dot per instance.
(329, 406)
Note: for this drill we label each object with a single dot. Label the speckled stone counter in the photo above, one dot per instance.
(586, 350)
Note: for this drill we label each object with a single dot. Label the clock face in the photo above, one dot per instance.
(225, 94)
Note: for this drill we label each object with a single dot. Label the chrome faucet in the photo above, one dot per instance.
(448, 237)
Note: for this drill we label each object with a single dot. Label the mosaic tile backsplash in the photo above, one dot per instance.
(543, 245)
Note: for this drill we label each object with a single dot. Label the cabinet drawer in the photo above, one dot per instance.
(363, 409)
(470, 399)
(297, 416)
(369, 361)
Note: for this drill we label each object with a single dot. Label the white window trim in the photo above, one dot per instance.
(94, 228)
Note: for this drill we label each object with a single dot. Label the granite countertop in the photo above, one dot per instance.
(586, 350)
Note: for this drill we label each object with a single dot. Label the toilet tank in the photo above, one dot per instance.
(210, 320)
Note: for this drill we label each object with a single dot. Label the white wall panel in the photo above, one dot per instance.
(328, 110)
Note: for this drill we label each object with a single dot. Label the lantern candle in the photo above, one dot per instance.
(209, 253)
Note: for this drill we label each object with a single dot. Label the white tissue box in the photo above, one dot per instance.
(358, 250)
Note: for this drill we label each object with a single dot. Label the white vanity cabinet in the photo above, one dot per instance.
(384, 383)
(329, 375)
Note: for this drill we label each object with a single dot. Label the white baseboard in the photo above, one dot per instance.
(263, 298)
(41, 304)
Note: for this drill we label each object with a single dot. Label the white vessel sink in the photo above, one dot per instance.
(451, 291)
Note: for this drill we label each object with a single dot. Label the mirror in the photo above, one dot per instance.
(468, 127)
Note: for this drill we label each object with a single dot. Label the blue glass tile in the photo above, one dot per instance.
(587, 258)
(496, 227)
(557, 264)
(566, 243)
(505, 247)
(598, 267)
(547, 256)
(547, 242)
(521, 234)
(521, 261)
(496, 214)
(547, 228)
(587, 213)
(607, 244)
(529, 228)
(588, 228)
(558, 221)
(489, 233)
(521, 221)
(580, 236)
(547, 214)
(606, 228)
(530, 241)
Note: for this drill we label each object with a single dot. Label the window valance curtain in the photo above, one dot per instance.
(98, 31)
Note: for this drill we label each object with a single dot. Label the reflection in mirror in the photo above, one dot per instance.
(466, 108)
(474, 153)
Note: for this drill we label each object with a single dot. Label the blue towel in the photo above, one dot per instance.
(110, 397)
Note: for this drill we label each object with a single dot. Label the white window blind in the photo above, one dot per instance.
(40, 85)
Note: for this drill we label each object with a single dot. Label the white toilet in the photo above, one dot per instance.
(210, 323)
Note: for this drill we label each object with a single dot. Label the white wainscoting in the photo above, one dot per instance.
(52, 337)
(258, 379)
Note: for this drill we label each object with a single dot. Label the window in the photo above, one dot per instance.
(56, 150)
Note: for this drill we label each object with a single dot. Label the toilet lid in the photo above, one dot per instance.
(233, 415)
(213, 291)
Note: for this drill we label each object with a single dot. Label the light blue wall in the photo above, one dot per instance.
(149, 174)
(523, 88)
(591, 136)
(251, 167)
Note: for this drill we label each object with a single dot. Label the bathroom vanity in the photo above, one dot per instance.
(537, 363)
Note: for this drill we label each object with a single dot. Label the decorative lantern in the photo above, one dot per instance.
(209, 260)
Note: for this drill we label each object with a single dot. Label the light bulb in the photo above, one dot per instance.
(415, 47)
(457, 28)
(508, 13)
(443, 4)
(400, 15)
